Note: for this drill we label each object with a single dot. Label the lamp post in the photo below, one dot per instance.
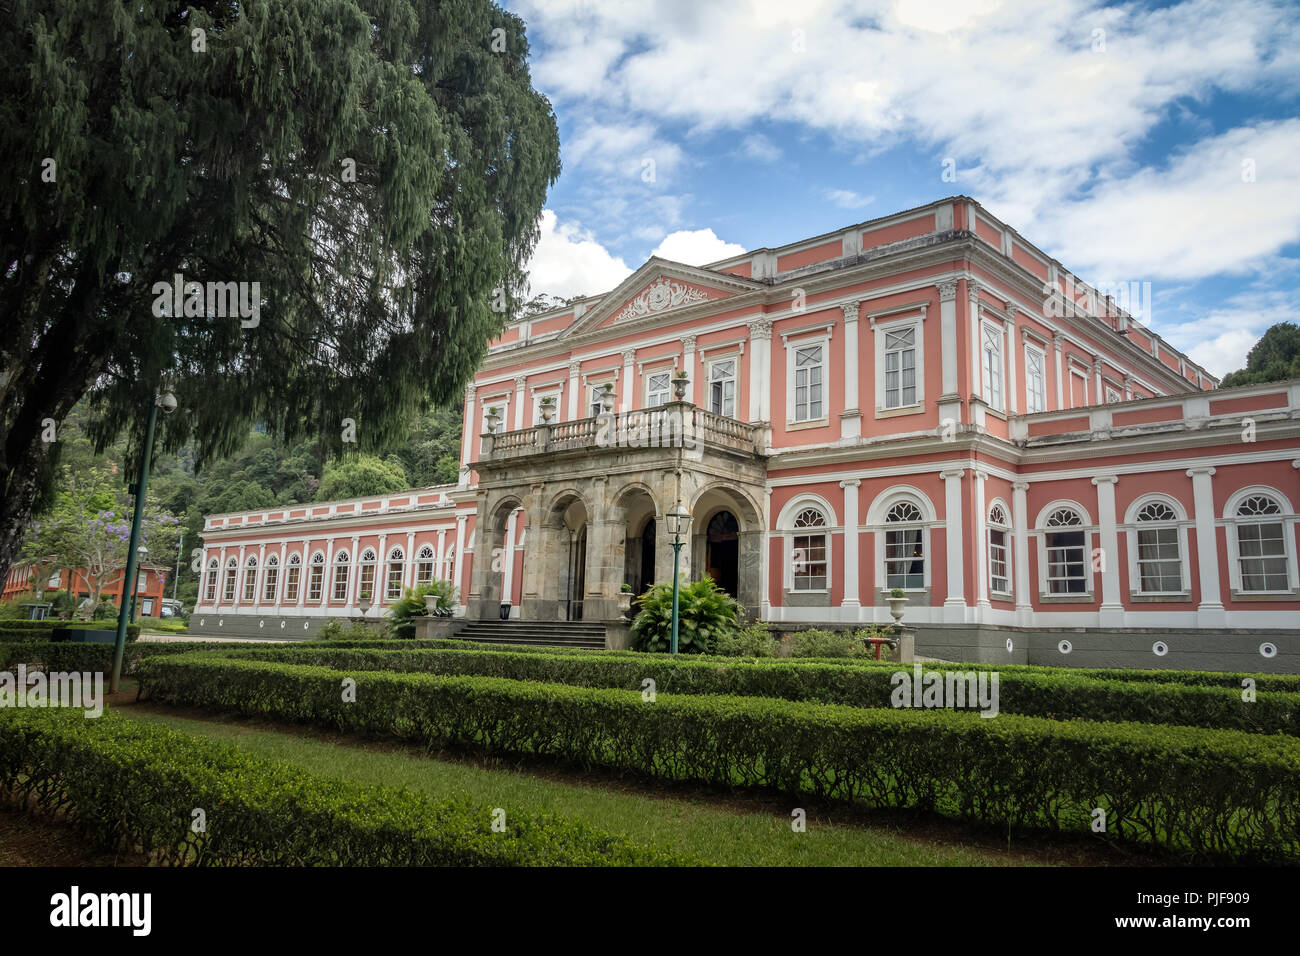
(141, 553)
(167, 402)
(679, 520)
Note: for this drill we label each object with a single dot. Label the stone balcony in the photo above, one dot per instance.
(675, 425)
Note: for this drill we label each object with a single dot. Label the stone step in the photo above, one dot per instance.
(536, 641)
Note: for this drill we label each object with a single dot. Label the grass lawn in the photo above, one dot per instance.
(737, 830)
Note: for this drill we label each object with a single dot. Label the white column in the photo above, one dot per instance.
(521, 392)
(973, 305)
(850, 600)
(765, 612)
(574, 392)
(467, 439)
(1060, 371)
(1210, 612)
(508, 558)
(440, 556)
(460, 559)
(851, 420)
(1009, 350)
(1100, 395)
(221, 581)
(981, 548)
(354, 580)
(629, 381)
(379, 596)
(408, 572)
(281, 573)
(954, 608)
(1112, 607)
(304, 572)
(949, 401)
(239, 578)
(688, 364)
(1020, 519)
(760, 371)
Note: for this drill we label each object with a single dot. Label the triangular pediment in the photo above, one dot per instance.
(660, 287)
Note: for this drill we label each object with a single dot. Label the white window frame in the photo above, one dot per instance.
(249, 590)
(423, 560)
(895, 324)
(734, 379)
(1132, 526)
(878, 527)
(292, 578)
(1035, 398)
(666, 391)
(1041, 531)
(396, 557)
(1069, 392)
(322, 585)
(788, 532)
(1287, 518)
(537, 404)
(342, 562)
(1007, 546)
(271, 579)
(214, 579)
(369, 561)
(792, 347)
(996, 401)
(230, 587)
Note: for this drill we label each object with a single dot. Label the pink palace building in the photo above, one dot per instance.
(924, 401)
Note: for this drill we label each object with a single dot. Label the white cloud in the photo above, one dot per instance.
(568, 261)
(847, 199)
(757, 146)
(696, 247)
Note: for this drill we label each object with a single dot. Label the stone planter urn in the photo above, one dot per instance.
(896, 606)
(547, 409)
(607, 397)
(365, 604)
(493, 419)
(680, 384)
(624, 602)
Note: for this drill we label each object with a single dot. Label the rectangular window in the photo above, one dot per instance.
(269, 584)
(657, 388)
(1262, 552)
(1066, 567)
(809, 562)
(147, 607)
(1035, 381)
(291, 579)
(900, 368)
(230, 584)
(142, 582)
(808, 374)
(210, 594)
(424, 571)
(367, 580)
(993, 366)
(394, 590)
(250, 584)
(1159, 567)
(999, 580)
(340, 583)
(593, 407)
(722, 388)
(904, 558)
(316, 583)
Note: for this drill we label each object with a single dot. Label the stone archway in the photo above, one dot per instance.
(488, 576)
(727, 543)
(556, 578)
(636, 508)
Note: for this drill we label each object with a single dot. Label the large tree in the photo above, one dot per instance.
(378, 167)
(1274, 358)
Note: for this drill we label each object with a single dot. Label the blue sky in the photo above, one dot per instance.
(1137, 143)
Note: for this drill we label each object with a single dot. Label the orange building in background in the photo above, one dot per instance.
(151, 584)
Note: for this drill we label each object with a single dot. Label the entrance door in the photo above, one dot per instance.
(577, 574)
(647, 576)
(722, 552)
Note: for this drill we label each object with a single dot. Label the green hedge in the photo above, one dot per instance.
(1215, 792)
(9, 633)
(81, 656)
(1059, 696)
(135, 786)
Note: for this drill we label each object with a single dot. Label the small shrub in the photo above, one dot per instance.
(334, 630)
(705, 612)
(756, 640)
(818, 643)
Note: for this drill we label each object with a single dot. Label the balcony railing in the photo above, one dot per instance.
(674, 425)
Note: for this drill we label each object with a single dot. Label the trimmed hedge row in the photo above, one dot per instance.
(9, 634)
(1209, 792)
(1058, 696)
(136, 786)
(83, 657)
(1275, 682)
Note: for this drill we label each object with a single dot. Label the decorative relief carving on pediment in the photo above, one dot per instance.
(659, 296)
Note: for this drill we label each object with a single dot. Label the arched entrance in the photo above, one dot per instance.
(722, 552)
(577, 575)
(647, 570)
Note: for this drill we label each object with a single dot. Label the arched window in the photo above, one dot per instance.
(342, 571)
(808, 554)
(270, 580)
(1261, 544)
(367, 586)
(316, 578)
(449, 569)
(424, 566)
(1159, 554)
(250, 579)
(210, 588)
(999, 565)
(396, 567)
(232, 576)
(292, 578)
(1067, 567)
(904, 547)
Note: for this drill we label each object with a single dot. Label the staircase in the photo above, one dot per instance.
(535, 633)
